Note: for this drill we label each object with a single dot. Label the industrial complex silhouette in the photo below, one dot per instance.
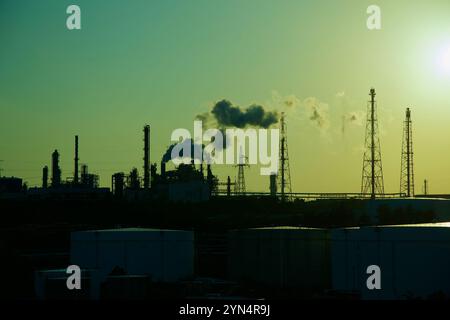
(184, 233)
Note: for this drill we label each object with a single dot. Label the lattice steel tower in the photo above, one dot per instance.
(372, 173)
(239, 186)
(407, 164)
(284, 174)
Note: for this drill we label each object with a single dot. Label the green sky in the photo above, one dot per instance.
(163, 62)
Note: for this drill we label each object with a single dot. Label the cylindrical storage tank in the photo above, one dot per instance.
(414, 260)
(282, 257)
(164, 255)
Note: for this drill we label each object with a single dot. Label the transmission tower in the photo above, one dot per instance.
(239, 186)
(372, 173)
(284, 174)
(407, 164)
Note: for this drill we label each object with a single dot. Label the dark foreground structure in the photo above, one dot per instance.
(262, 259)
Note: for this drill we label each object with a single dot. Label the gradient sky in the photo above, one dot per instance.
(163, 62)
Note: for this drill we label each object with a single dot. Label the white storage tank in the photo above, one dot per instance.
(281, 257)
(164, 255)
(414, 260)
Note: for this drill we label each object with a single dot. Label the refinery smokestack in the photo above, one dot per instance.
(163, 170)
(56, 171)
(75, 176)
(209, 178)
(45, 177)
(146, 157)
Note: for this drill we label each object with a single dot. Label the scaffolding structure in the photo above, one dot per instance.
(239, 186)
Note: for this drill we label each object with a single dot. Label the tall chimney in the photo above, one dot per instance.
(84, 174)
(209, 178)
(209, 174)
(45, 177)
(163, 170)
(146, 157)
(273, 184)
(118, 180)
(75, 176)
(56, 171)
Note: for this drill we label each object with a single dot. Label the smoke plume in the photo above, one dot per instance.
(225, 114)
(186, 143)
(291, 101)
(317, 112)
(352, 118)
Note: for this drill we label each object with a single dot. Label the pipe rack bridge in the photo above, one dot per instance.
(315, 195)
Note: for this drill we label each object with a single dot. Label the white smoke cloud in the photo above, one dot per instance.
(318, 112)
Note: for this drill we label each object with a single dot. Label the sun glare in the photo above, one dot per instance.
(443, 62)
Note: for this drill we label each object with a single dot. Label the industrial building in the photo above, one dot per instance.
(51, 284)
(388, 211)
(9, 185)
(185, 183)
(83, 184)
(12, 188)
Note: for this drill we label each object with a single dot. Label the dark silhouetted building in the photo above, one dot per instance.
(56, 170)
